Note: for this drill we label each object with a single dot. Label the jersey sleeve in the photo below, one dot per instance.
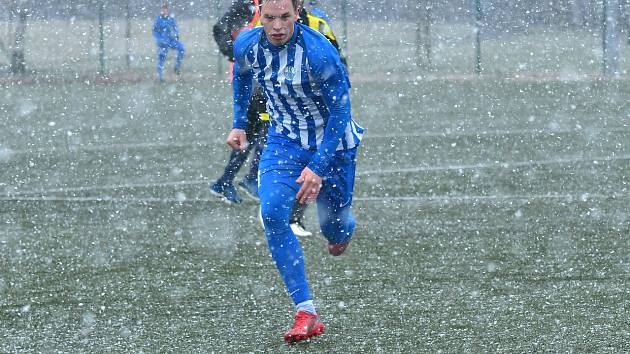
(243, 80)
(332, 78)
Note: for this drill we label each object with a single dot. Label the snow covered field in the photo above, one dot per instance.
(493, 217)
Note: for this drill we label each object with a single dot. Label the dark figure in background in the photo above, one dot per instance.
(242, 15)
(18, 63)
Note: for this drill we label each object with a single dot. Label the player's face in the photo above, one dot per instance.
(278, 18)
(164, 11)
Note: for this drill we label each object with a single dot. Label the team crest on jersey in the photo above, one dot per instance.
(289, 73)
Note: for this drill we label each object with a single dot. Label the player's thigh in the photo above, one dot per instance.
(286, 156)
(277, 190)
(162, 50)
(179, 46)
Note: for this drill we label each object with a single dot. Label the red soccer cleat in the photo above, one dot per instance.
(305, 326)
(338, 249)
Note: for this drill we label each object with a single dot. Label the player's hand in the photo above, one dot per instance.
(237, 139)
(311, 185)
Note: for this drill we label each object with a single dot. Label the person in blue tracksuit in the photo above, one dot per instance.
(311, 145)
(166, 36)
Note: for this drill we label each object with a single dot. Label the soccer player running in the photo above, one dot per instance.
(166, 36)
(242, 15)
(311, 148)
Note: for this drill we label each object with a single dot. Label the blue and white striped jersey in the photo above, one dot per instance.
(307, 90)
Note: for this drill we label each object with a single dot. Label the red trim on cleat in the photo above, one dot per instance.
(338, 249)
(305, 326)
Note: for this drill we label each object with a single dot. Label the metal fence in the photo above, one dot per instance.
(565, 38)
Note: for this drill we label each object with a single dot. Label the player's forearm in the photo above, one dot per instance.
(242, 93)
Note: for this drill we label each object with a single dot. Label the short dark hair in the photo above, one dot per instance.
(165, 5)
(295, 3)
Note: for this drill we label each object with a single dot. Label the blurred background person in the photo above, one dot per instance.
(242, 15)
(314, 10)
(166, 36)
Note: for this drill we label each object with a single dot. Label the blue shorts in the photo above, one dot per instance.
(282, 163)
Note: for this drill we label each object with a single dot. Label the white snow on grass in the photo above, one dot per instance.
(25, 108)
(6, 154)
(215, 236)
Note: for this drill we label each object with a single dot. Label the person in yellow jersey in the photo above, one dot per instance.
(317, 19)
(314, 10)
(241, 16)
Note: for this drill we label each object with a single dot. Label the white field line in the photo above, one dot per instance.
(450, 133)
(141, 145)
(109, 187)
(474, 198)
(109, 147)
(429, 134)
(497, 164)
(423, 199)
(503, 165)
(512, 77)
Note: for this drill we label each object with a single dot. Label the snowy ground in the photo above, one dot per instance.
(493, 217)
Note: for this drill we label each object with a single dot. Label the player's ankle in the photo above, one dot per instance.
(306, 306)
